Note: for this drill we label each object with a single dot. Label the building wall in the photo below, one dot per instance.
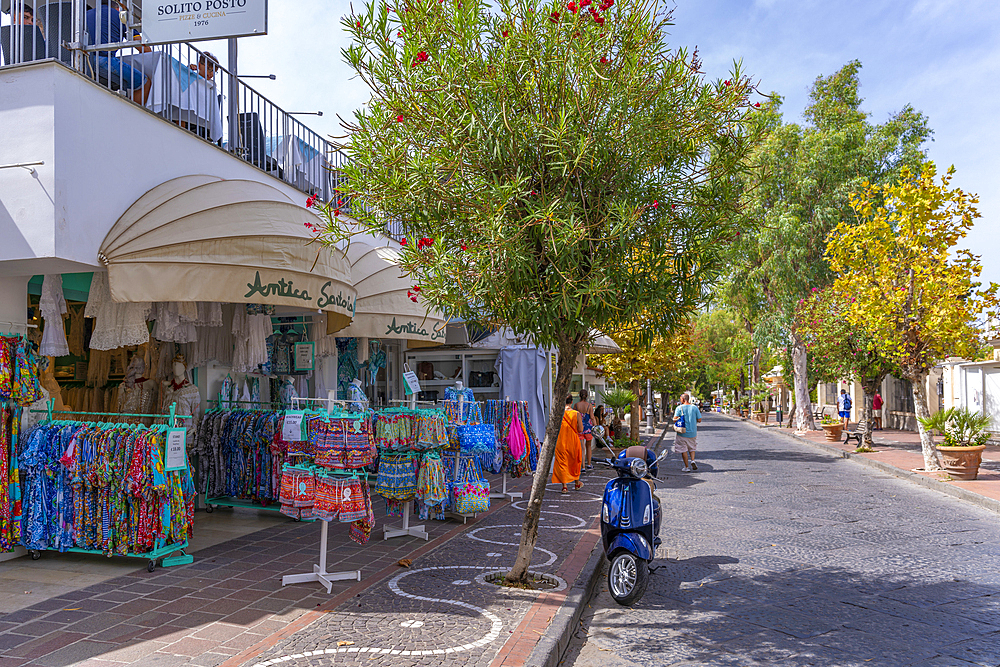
(897, 408)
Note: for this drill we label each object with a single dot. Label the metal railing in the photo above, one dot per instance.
(178, 82)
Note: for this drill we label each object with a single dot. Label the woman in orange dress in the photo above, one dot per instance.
(569, 456)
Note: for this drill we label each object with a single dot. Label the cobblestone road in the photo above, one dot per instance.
(774, 554)
(440, 611)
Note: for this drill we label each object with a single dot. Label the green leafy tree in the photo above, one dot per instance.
(800, 191)
(911, 290)
(555, 168)
(838, 348)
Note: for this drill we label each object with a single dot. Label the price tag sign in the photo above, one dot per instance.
(305, 356)
(411, 385)
(176, 449)
(291, 426)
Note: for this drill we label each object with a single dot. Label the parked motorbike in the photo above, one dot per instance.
(630, 522)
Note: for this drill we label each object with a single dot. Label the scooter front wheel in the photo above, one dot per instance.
(628, 577)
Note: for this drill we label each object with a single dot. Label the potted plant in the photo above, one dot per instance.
(617, 399)
(965, 436)
(832, 426)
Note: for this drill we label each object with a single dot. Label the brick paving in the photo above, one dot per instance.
(229, 607)
(777, 554)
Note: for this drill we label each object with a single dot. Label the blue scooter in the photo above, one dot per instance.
(630, 523)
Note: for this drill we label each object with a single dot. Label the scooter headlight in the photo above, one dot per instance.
(638, 468)
(605, 515)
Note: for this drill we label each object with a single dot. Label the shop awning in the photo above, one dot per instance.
(384, 309)
(202, 238)
(602, 344)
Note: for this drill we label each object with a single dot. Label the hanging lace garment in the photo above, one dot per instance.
(52, 304)
(118, 324)
(214, 342)
(77, 331)
(209, 314)
(326, 345)
(174, 321)
(250, 333)
(98, 368)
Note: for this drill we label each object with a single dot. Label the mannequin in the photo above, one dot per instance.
(47, 378)
(178, 389)
(356, 393)
(287, 392)
(137, 392)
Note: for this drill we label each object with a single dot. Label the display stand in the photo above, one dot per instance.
(406, 530)
(503, 494)
(319, 572)
(163, 554)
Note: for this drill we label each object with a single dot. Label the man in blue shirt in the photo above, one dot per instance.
(686, 443)
(104, 26)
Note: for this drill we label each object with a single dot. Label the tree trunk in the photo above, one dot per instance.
(803, 417)
(636, 418)
(791, 415)
(568, 352)
(932, 458)
(870, 386)
(755, 378)
(664, 402)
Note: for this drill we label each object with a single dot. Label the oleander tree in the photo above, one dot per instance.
(556, 168)
(839, 348)
(909, 287)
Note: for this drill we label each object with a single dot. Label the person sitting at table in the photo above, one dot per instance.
(27, 16)
(110, 31)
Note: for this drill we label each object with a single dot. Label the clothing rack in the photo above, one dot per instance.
(406, 530)
(319, 572)
(18, 324)
(228, 501)
(163, 554)
(503, 494)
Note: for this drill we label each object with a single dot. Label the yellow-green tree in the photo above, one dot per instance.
(909, 287)
(663, 359)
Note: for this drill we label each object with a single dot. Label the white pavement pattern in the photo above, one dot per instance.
(431, 578)
(782, 555)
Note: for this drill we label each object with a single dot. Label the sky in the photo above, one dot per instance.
(940, 56)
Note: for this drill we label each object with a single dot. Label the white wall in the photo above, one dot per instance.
(101, 153)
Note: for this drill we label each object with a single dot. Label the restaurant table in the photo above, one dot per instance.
(179, 93)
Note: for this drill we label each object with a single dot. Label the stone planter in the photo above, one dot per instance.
(833, 431)
(962, 462)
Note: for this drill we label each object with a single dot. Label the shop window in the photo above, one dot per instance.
(902, 396)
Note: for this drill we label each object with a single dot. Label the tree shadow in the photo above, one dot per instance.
(717, 610)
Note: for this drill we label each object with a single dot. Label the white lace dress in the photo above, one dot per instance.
(118, 324)
(52, 304)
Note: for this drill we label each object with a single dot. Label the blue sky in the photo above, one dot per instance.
(941, 56)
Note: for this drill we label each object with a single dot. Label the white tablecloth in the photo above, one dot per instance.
(179, 93)
(304, 165)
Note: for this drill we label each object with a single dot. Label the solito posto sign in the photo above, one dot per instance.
(165, 21)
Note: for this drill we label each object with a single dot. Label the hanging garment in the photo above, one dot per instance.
(250, 332)
(52, 305)
(175, 321)
(188, 400)
(118, 324)
(77, 331)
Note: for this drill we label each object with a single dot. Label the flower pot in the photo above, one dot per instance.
(962, 462)
(832, 431)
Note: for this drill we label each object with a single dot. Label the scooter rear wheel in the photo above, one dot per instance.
(628, 577)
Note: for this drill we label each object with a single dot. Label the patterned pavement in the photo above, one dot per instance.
(774, 554)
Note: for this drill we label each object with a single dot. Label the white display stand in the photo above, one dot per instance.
(319, 572)
(504, 494)
(406, 529)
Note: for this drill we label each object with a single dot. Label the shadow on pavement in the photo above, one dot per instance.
(697, 612)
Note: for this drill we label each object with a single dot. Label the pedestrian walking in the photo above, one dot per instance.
(586, 410)
(686, 443)
(844, 406)
(568, 456)
(877, 406)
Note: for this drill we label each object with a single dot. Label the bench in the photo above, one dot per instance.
(857, 434)
(818, 414)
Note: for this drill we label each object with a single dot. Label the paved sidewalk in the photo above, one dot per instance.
(229, 607)
(899, 452)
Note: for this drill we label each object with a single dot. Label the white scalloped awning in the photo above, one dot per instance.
(202, 238)
(384, 310)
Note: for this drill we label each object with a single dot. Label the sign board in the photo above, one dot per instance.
(411, 385)
(165, 21)
(305, 356)
(176, 458)
(291, 426)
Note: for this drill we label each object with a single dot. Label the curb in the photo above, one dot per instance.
(916, 478)
(549, 650)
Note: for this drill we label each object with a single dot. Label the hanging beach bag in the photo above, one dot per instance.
(517, 442)
(472, 493)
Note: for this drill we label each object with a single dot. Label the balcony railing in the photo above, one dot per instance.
(178, 82)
